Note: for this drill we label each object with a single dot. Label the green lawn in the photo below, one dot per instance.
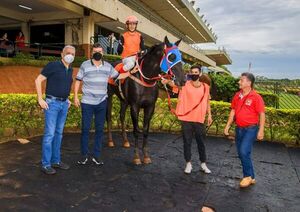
(286, 100)
(289, 101)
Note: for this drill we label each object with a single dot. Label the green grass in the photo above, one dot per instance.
(289, 101)
(286, 100)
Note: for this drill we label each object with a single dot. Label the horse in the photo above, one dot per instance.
(140, 90)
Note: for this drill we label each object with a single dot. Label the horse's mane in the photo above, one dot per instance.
(206, 79)
(155, 46)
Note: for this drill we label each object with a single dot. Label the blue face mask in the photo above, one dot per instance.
(172, 57)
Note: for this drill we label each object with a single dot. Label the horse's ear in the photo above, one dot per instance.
(178, 42)
(167, 42)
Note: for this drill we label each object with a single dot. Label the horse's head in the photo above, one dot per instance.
(171, 62)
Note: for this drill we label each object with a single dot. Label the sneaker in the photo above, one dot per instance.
(205, 169)
(48, 170)
(188, 168)
(246, 181)
(97, 161)
(253, 181)
(83, 160)
(61, 165)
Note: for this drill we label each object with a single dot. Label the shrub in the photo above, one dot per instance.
(223, 87)
(27, 59)
(49, 58)
(270, 99)
(21, 114)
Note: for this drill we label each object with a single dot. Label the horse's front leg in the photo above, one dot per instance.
(148, 112)
(108, 119)
(134, 110)
(124, 105)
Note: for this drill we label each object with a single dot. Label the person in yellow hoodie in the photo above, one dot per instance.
(131, 43)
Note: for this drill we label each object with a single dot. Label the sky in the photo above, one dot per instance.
(265, 33)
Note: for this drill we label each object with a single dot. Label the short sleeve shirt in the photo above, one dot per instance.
(95, 79)
(247, 108)
(192, 102)
(59, 79)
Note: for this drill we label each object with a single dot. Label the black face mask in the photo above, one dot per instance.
(97, 56)
(194, 77)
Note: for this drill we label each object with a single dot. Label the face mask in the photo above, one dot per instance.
(97, 56)
(194, 77)
(69, 58)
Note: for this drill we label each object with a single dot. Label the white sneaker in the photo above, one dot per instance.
(188, 168)
(205, 169)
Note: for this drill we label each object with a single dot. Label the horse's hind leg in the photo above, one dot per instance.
(124, 105)
(134, 110)
(109, 123)
(148, 112)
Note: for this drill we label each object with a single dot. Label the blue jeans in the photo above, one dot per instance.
(99, 112)
(55, 118)
(244, 139)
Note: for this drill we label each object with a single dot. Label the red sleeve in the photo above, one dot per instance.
(260, 105)
(233, 103)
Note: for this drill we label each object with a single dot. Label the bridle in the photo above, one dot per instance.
(165, 64)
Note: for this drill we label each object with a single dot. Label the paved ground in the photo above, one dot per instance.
(161, 186)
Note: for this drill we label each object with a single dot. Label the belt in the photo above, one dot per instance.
(249, 126)
(56, 98)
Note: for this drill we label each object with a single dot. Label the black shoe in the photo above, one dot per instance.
(97, 161)
(48, 170)
(83, 160)
(61, 165)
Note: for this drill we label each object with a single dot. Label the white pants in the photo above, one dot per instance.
(129, 63)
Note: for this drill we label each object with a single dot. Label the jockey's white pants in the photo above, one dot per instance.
(128, 62)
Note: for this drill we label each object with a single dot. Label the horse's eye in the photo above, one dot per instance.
(172, 57)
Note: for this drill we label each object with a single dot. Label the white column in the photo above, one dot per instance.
(25, 29)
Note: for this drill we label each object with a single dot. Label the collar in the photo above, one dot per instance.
(93, 64)
(61, 62)
(241, 96)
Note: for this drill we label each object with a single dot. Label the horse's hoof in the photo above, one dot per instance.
(147, 160)
(126, 144)
(110, 144)
(137, 161)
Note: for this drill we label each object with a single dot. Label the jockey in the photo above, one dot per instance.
(131, 43)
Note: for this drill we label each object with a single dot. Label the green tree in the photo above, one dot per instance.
(223, 87)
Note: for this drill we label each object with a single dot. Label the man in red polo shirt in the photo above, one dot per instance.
(248, 112)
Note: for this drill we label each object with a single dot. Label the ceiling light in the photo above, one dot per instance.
(25, 7)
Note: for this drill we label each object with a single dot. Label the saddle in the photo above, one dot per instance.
(119, 68)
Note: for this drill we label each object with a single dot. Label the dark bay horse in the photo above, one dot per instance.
(141, 91)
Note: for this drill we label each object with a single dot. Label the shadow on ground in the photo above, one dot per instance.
(161, 186)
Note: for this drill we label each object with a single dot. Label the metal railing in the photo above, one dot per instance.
(104, 42)
(10, 49)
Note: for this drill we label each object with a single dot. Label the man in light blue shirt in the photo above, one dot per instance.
(94, 74)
